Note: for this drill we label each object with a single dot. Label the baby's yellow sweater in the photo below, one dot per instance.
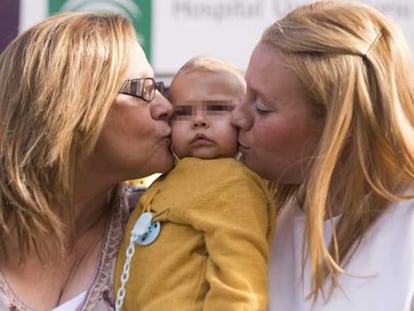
(212, 252)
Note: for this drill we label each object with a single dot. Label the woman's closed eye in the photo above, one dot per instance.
(260, 107)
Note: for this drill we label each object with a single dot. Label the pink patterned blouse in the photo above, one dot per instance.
(99, 296)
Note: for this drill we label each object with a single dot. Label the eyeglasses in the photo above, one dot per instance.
(143, 88)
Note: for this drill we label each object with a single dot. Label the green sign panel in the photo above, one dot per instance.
(139, 12)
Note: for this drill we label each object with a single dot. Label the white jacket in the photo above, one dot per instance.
(382, 267)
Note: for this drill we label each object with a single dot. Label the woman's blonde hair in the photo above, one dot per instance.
(356, 70)
(58, 81)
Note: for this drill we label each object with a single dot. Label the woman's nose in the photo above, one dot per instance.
(161, 108)
(242, 116)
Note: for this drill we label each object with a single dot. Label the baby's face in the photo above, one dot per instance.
(203, 102)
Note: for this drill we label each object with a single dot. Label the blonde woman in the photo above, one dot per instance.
(80, 112)
(329, 118)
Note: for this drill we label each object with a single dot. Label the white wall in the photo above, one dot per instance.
(230, 29)
(222, 28)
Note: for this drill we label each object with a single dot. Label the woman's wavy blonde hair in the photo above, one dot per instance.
(58, 81)
(356, 70)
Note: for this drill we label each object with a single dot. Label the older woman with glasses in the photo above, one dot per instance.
(80, 113)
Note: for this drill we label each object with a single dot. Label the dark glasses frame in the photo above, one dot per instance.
(143, 88)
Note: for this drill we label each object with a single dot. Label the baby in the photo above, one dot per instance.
(198, 238)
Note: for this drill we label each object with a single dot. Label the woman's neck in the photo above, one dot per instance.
(93, 194)
(90, 210)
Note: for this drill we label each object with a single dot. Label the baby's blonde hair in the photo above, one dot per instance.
(202, 63)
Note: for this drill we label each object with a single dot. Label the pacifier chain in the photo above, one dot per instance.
(144, 233)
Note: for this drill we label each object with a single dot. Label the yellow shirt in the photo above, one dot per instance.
(212, 252)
